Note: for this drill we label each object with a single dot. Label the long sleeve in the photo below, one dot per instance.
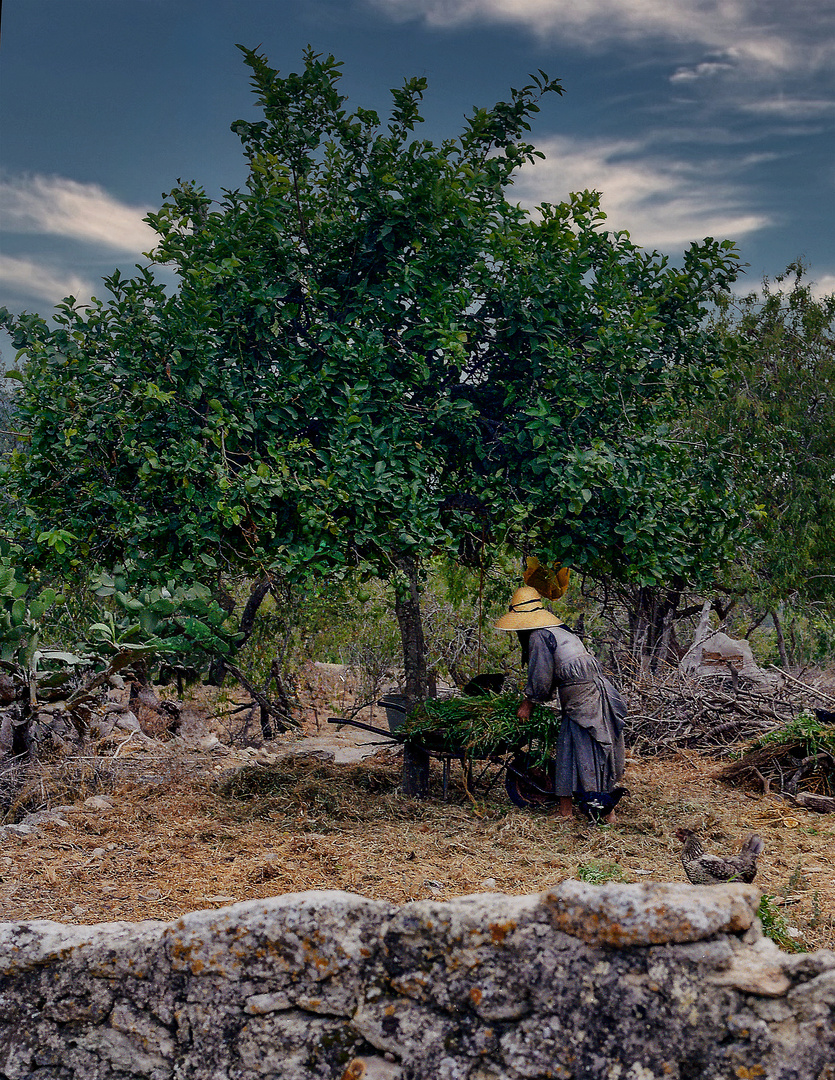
(540, 685)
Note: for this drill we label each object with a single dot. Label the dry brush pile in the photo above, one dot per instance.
(674, 710)
(780, 735)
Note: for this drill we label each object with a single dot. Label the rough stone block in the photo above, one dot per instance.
(582, 983)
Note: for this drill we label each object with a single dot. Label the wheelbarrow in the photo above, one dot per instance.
(528, 783)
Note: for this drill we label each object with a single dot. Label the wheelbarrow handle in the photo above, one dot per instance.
(365, 727)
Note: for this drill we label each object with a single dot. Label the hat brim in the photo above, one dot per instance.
(527, 620)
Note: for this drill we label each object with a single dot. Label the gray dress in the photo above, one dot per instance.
(590, 750)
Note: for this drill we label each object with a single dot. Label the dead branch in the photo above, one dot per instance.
(261, 699)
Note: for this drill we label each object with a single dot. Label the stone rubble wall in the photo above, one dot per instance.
(612, 982)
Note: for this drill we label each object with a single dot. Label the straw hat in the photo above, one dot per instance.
(526, 612)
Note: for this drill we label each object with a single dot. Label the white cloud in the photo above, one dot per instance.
(661, 202)
(56, 206)
(706, 70)
(25, 278)
(791, 108)
(762, 35)
(824, 286)
(674, 18)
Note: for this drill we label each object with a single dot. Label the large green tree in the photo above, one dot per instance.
(367, 341)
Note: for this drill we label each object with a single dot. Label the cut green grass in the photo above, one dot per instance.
(479, 726)
(598, 872)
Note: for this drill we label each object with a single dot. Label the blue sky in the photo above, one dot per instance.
(692, 117)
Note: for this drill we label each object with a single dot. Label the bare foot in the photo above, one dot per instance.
(566, 807)
(610, 819)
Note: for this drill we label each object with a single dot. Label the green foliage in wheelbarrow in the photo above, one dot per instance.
(480, 726)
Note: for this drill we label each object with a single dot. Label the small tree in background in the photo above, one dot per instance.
(778, 411)
(582, 373)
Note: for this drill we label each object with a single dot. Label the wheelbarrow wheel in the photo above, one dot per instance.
(528, 786)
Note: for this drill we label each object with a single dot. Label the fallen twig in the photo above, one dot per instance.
(811, 689)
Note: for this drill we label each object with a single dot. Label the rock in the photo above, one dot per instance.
(8, 689)
(211, 742)
(126, 721)
(582, 983)
(714, 652)
(41, 817)
(266, 758)
(650, 913)
(756, 970)
(54, 723)
(102, 724)
(7, 726)
(20, 832)
(100, 802)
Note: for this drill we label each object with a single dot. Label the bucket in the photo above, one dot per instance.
(395, 706)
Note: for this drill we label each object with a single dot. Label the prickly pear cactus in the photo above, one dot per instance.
(171, 619)
(22, 608)
(21, 612)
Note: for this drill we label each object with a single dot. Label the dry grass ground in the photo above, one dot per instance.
(183, 835)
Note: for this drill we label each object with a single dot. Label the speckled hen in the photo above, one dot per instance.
(703, 869)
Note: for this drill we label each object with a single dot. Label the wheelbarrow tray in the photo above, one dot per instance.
(527, 779)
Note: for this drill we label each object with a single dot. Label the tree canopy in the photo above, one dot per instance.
(367, 339)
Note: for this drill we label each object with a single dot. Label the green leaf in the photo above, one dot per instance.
(37, 610)
(18, 612)
(128, 603)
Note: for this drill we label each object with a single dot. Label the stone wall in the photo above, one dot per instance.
(616, 982)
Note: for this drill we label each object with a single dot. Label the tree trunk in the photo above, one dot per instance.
(652, 617)
(415, 771)
(407, 609)
(781, 641)
(217, 669)
(416, 688)
(21, 748)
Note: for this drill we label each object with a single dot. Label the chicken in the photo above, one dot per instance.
(704, 869)
(598, 805)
